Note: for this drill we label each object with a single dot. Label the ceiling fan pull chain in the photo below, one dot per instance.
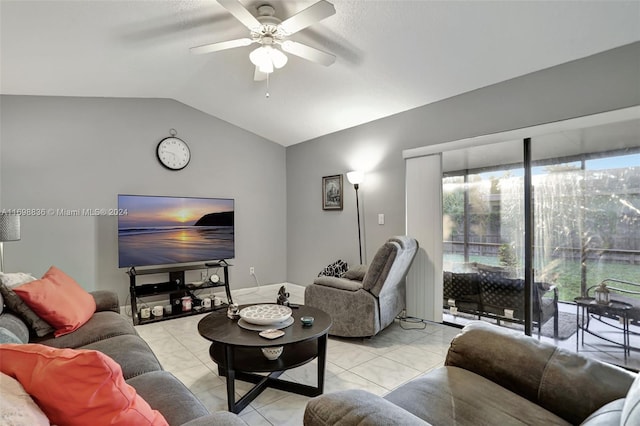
(267, 94)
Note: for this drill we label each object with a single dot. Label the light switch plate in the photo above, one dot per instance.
(381, 219)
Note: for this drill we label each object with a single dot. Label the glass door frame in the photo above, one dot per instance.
(526, 135)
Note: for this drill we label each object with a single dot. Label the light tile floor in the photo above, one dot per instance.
(378, 365)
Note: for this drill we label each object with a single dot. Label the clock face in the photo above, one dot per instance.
(173, 153)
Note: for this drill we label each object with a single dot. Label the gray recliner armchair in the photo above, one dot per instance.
(366, 299)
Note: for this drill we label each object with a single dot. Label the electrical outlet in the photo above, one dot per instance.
(203, 276)
(252, 271)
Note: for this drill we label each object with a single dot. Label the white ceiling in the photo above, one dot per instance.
(391, 55)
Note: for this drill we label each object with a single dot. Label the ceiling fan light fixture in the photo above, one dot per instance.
(266, 58)
(279, 59)
(272, 33)
(266, 68)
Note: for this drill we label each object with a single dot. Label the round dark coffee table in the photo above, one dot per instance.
(237, 352)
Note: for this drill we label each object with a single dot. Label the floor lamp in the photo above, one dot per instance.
(355, 178)
(9, 231)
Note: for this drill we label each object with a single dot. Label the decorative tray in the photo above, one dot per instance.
(265, 314)
(255, 327)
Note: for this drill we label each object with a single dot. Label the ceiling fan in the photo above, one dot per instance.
(272, 34)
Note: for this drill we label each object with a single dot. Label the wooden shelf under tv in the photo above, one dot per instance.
(175, 284)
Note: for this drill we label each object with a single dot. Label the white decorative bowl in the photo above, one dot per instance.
(272, 353)
(265, 314)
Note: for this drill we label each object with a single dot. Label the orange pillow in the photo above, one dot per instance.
(77, 387)
(59, 300)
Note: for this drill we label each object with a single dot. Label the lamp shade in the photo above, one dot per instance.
(267, 57)
(355, 177)
(9, 227)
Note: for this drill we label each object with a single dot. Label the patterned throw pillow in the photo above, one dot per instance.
(16, 305)
(336, 269)
(14, 279)
(18, 408)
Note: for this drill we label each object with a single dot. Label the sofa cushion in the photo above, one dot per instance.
(609, 414)
(631, 408)
(106, 300)
(172, 398)
(470, 399)
(340, 283)
(37, 325)
(356, 407)
(77, 387)
(131, 352)
(461, 289)
(459, 285)
(16, 326)
(356, 272)
(7, 336)
(500, 270)
(538, 371)
(101, 325)
(17, 407)
(379, 269)
(59, 300)
(498, 293)
(219, 418)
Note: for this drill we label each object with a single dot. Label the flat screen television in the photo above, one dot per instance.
(158, 230)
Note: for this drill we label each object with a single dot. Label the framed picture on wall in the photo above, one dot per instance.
(332, 192)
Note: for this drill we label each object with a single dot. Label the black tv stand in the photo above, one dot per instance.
(176, 286)
(217, 264)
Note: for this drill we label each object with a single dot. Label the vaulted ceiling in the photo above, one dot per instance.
(391, 55)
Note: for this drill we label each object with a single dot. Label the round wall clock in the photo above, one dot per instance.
(173, 153)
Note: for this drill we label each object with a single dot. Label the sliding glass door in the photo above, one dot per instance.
(585, 209)
(483, 229)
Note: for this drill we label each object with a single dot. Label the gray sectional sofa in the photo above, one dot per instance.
(494, 376)
(112, 334)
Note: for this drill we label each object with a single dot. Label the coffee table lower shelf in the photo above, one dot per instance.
(243, 363)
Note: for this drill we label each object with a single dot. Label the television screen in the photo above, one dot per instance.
(155, 230)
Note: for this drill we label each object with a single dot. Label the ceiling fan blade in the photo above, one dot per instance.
(240, 13)
(309, 53)
(223, 45)
(259, 75)
(314, 13)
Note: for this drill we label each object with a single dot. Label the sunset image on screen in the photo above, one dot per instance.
(161, 230)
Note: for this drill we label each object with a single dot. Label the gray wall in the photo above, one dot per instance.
(603, 82)
(79, 153)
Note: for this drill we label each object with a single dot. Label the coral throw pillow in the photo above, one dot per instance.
(59, 300)
(77, 387)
